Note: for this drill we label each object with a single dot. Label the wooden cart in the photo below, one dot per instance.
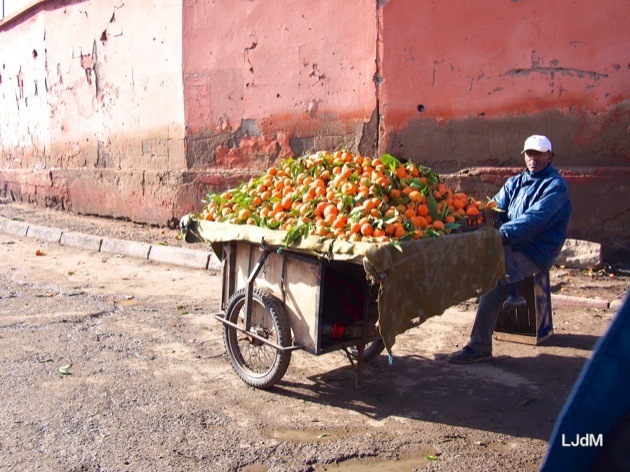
(278, 299)
(275, 302)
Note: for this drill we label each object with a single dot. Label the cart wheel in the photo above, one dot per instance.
(372, 350)
(257, 363)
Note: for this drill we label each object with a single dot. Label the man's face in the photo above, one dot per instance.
(537, 161)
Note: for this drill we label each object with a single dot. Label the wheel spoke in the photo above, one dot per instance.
(257, 356)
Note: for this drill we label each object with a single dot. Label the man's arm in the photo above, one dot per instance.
(536, 218)
(504, 197)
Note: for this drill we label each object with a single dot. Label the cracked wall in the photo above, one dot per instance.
(91, 98)
(293, 77)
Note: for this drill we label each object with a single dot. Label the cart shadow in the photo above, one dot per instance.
(517, 396)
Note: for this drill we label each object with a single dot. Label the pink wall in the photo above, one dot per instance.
(498, 74)
(462, 59)
(265, 80)
(96, 122)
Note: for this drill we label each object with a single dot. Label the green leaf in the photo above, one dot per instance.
(65, 369)
(390, 161)
(431, 457)
(416, 183)
(397, 245)
(273, 224)
(323, 435)
(296, 233)
(432, 204)
(356, 214)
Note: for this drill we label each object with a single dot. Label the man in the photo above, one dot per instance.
(535, 213)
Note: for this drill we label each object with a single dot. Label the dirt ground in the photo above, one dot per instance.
(115, 363)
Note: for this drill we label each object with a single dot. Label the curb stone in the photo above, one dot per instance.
(182, 256)
(51, 235)
(80, 240)
(127, 248)
(617, 303)
(13, 227)
(567, 300)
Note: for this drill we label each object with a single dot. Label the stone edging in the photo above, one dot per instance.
(191, 258)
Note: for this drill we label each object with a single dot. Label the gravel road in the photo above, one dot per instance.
(114, 363)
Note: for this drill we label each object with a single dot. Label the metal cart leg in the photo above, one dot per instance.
(249, 289)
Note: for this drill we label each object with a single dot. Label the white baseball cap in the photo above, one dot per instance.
(537, 143)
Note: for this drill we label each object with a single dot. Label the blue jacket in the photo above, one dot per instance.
(537, 210)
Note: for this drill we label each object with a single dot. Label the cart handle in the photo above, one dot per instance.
(221, 318)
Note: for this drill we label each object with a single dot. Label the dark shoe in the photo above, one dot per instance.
(513, 302)
(468, 356)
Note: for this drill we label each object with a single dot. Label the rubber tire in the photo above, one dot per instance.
(372, 349)
(269, 320)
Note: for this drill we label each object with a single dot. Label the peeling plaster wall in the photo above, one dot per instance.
(453, 70)
(91, 101)
(265, 80)
(463, 85)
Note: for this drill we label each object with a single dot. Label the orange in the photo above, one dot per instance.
(330, 210)
(287, 201)
(420, 221)
(438, 225)
(400, 232)
(243, 214)
(417, 234)
(472, 210)
(367, 229)
(369, 204)
(415, 196)
(378, 232)
(321, 206)
(401, 171)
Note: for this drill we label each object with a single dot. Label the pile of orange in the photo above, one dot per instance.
(348, 196)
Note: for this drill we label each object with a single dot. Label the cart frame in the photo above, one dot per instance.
(239, 272)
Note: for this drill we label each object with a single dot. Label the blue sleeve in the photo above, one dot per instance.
(537, 216)
(504, 197)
